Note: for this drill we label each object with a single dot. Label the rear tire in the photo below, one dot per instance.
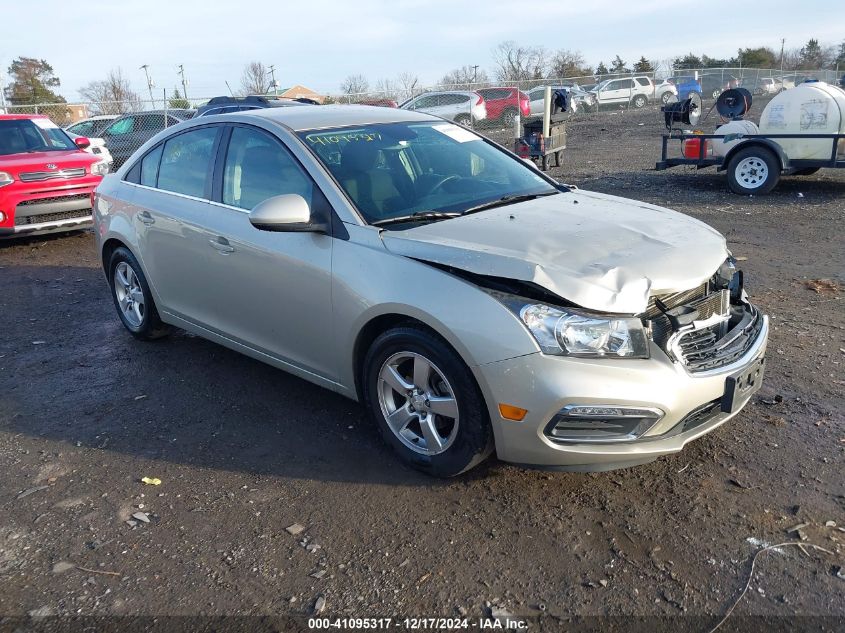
(132, 297)
(753, 171)
(442, 440)
(715, 94)
(509, 116)
(464, 119)
(639, 101)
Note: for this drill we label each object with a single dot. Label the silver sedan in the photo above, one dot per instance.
(471, 303)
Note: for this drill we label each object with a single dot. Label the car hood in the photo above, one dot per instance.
(600, 252)
(38, 161)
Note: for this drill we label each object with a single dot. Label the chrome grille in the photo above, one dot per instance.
(709, 348)
(37, 176)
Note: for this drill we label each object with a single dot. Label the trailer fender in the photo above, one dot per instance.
(761, 142)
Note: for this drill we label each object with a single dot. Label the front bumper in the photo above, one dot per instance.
(544, 385)
(42, 208)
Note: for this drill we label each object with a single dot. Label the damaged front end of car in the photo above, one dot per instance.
(708, 327)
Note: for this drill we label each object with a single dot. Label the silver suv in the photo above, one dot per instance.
(636, 91)
(470, 302)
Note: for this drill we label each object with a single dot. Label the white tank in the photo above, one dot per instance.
(720, 147)
(808, 108)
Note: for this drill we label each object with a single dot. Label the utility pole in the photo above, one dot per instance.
(150, 84)
(184, 82)
(272, 73)
(474, 73)
(782, 42)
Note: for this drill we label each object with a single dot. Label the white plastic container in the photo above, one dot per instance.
(721, 147)
(808, 108)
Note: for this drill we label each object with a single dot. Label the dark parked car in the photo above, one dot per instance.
(131, 131)
(224, 105)
(714, 85)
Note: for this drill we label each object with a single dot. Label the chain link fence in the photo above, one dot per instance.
(490, 108)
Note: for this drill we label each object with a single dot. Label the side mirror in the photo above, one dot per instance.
(82, 142)
(285, 213)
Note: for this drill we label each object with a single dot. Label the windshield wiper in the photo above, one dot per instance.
(505, 200)
(416, 217)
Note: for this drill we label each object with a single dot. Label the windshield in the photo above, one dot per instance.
(22, 136)
(395, 170)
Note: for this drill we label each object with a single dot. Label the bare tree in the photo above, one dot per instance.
(387, 88)
(520, 63)
(254, 79)
(354, 84)
(112, 95)
(408, 85)
(566, 63)
(464, 77)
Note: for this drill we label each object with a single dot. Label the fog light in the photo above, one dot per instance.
(601, 423)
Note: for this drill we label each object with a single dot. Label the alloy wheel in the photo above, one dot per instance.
(418, 403)
(130, 297)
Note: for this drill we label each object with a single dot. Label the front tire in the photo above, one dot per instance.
(132, 297)
(426, 402)
(753, 170)
(664, 99)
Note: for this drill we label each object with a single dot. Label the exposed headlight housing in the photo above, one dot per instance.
(101, 168)
(6, 179)
(561, 332)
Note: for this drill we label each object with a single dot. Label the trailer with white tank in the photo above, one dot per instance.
(801, 131)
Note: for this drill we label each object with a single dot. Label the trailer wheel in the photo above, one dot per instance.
(809, 171)
(753, 170)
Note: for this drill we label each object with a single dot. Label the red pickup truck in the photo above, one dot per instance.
(46, 180)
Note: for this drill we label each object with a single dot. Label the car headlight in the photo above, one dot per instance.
(6, 179)
(100, 169)
(561, 332)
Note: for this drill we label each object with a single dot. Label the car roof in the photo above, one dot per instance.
(329, 116)
(18, 117)
(178, 113)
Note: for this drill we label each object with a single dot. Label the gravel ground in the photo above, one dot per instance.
(244, 451)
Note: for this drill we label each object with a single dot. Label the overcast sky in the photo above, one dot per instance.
(319, 42)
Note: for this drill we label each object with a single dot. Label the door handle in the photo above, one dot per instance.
(222, 245)
(146, 218)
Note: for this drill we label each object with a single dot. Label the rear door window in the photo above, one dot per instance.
(186, 162)
(149, 167)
